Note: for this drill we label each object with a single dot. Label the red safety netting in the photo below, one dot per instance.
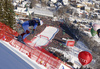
(39, 55)
(6, 33)
(36, 41)
(8, 29)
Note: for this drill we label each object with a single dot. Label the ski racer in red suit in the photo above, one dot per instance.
(35, 22)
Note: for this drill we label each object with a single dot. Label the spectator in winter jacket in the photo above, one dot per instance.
(35, 22)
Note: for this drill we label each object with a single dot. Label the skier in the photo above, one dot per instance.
(35, 22)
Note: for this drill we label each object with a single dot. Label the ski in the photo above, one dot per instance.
(18, 38)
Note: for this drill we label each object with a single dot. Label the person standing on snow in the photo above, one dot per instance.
(35, 22)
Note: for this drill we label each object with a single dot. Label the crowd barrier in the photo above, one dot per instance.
(40, 55)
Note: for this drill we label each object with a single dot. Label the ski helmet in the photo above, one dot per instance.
(39, 21)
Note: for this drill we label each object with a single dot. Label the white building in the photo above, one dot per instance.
(54, 1)
(65, 2)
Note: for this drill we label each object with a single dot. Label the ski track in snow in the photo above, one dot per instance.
(13, 59)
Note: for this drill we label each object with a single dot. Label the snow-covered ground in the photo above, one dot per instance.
(43, 11)
(37, 10)
(44, 37)
(86, 26)
(96, 38)
(11, 58)
(72, 54)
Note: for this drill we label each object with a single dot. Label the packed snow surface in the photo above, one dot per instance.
(11, 58)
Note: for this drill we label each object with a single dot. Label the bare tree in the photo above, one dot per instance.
(62, 11)
(44, 3)
(33, 3)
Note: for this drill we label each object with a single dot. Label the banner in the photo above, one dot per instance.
(63, 66)
(70, 42)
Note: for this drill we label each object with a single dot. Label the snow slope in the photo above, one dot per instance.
(37, 10)
(72, 54)
(11, 58)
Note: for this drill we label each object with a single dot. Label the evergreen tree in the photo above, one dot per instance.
(7, 15)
